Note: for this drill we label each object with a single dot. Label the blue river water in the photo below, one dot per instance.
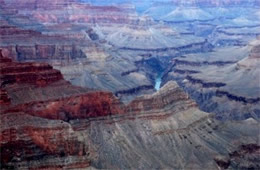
(158, 82)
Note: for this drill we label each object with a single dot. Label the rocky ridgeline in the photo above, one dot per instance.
(28, 134)
(47, 123)
(73, 41)
(55, 125)
(162, 100)
(74, 106)
(211, 93)
(198, 64)
(241, 99)
(192, 47)
(204, 84)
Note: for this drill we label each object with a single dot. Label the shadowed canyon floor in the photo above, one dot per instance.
(115, 84)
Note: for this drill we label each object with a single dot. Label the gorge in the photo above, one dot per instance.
(153, 84)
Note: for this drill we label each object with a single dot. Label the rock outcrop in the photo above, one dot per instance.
(31, 95)
(108, 54)
(168, 94)
(73, 127)
(34, 73)
(245, 157)
(211, 88)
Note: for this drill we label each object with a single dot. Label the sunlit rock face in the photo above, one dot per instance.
(153, 84)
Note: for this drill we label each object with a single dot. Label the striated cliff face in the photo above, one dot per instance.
(75, 42)
(85, 39)
(34, 73)
(92, 104)
(45, 52)
(211, 88)
(25, 44)
(61, 126)
(31, 95)
(36, 76)
(161, 100)
(107, 54)
(43, 143)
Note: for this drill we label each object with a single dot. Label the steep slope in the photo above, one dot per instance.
(66, 41)
(50, 123)
(230, 88)
(93, 129)
(31, 95)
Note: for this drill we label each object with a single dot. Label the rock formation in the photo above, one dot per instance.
(211, 90)
(79, 84)
(73, 127)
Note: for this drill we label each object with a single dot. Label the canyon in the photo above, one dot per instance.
(157, 84)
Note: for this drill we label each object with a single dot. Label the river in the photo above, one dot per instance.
(158, 82)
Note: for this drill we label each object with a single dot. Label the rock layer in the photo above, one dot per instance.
(211, 90)
(78, 128)
(48, 123)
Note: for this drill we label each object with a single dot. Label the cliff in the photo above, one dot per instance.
(59, 126)
(169, 94)
(47, 122)
(218, 81)
(31, 95)
(34, 73)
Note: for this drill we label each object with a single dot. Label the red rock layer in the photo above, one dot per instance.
(34, 73)
(38, 93)
(84, 105)
(4, 98)
(38, 141)
(26, 138)
(92, 104)
(11, 30)
(76, 105)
